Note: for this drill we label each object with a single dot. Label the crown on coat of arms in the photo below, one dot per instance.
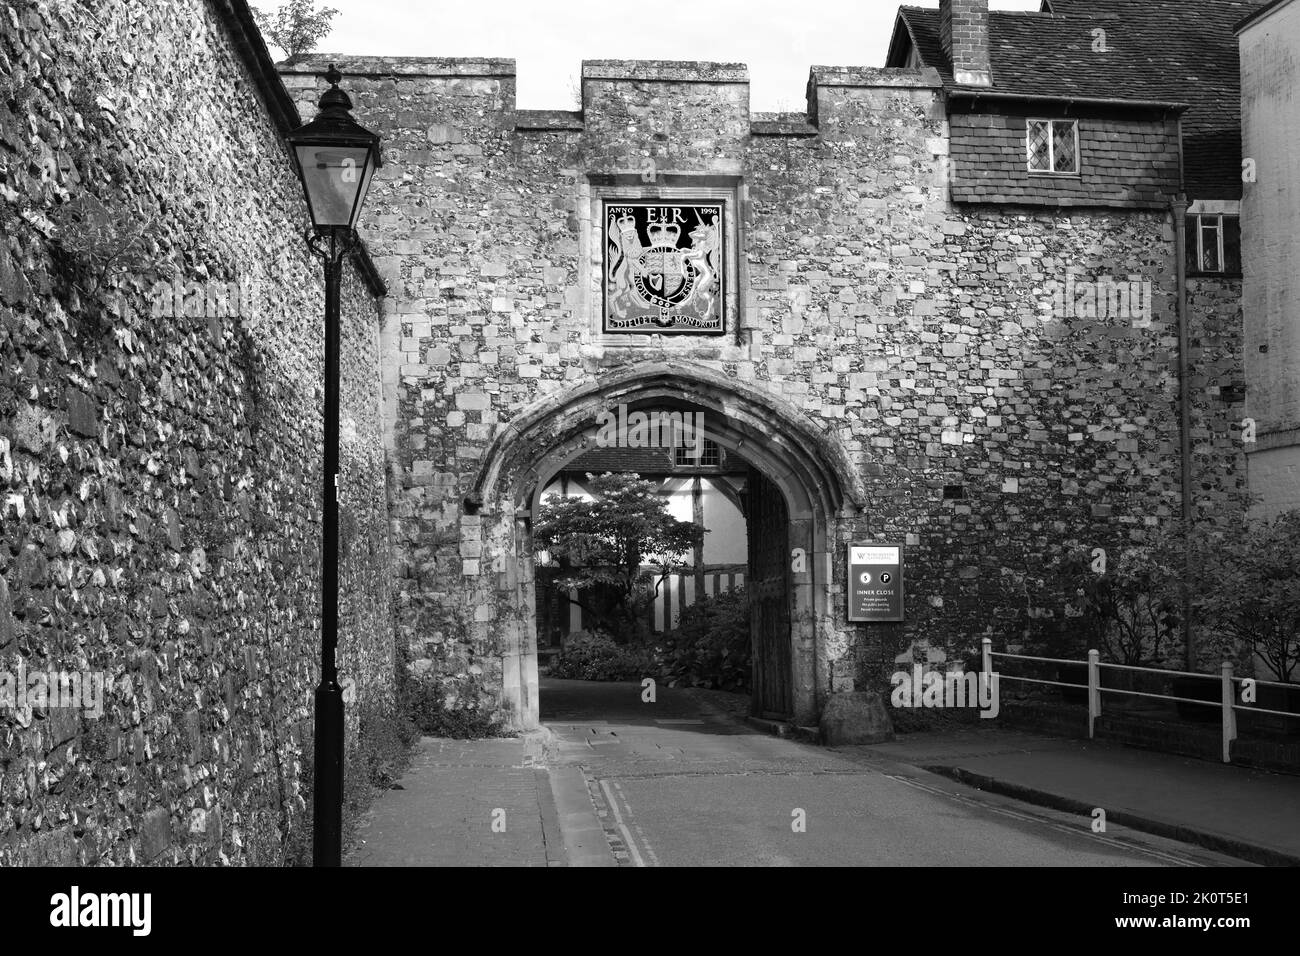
(626, 225)
(663, 235)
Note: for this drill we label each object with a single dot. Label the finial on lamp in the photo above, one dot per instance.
(334, 97)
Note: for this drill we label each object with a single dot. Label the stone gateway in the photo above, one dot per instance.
(981, 303)
(866, 301)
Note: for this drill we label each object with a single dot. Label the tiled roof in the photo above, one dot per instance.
(1156, 50)
(645, 461)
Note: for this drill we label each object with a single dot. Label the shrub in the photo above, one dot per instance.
(595, 656)
(711, 647)
(1248, 590)
(462, 716)
(375, 758)
(431, 711)
(385, 735)
(1129, 611)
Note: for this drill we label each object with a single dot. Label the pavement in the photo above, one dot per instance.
(465, 803)
(1249, 814)
(613, 780)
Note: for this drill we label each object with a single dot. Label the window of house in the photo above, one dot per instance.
(710, 456)
(1213, 244)
(1053, 146)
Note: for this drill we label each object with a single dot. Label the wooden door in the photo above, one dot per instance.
(768, 586)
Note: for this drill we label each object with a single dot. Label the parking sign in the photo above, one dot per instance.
(875, 582)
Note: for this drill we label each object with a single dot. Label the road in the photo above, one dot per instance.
(677, 782)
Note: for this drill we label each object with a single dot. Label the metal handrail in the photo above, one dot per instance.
(1264, 710)
(1157, 670)
(1134, 667)
(1034, 680)
(1026, 657)
(1270, 683)
(1186, 700)
(1227, 681)
(1139, 693)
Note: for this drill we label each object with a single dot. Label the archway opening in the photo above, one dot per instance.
(720, 616)
(804, 483)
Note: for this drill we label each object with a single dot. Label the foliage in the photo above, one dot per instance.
(296, 26)
(463, 716)
(1129, 611)
(1245, 587)
(457, 708)
(711, 646)
(375, 758)
(98, 244)
(602, 547)
(385, 735)
(1248, 589)
(596, 656)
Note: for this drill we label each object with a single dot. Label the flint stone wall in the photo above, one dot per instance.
(160, 473)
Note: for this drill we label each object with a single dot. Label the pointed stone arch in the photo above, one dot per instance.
(761, 420)
(812, 471)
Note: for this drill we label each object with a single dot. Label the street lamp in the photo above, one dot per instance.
(335, 158)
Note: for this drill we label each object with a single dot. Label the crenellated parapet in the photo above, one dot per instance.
(655, 100)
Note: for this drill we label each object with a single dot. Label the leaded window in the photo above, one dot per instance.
(1053, 146)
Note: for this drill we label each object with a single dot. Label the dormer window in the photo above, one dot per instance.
(1053, 146)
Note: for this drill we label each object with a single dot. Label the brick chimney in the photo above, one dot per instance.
(964, 30)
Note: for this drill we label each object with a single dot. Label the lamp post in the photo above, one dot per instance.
(335, 159)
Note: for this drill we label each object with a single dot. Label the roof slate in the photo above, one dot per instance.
(645, 461)
(1156, 50)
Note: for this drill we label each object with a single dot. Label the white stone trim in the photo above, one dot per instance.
(1215, 207)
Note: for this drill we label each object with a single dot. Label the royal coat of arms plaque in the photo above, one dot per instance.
(664, 270)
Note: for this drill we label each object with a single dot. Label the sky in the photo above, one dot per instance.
(778, 39)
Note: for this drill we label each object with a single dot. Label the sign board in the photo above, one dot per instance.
(875, 582)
